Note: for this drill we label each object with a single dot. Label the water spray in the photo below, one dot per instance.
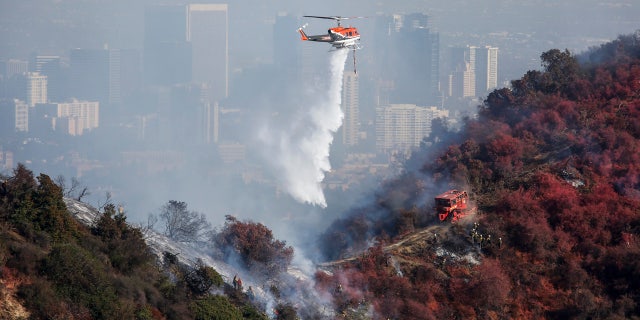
(301, 151)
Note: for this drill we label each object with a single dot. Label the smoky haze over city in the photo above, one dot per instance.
(220, 105)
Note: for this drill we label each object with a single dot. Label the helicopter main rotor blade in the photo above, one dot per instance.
(320, 17)
(338, 18)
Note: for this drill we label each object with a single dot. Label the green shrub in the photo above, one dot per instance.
(202, 278)
(251, 313)
(214, 307)
(144, 313)
(80, 277)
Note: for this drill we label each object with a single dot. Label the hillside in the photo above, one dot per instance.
(158, 243)
(63, 259)
(552, 164)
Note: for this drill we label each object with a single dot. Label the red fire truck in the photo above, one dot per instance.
(452, 205)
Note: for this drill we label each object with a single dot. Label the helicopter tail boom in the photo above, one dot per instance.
(303, 34)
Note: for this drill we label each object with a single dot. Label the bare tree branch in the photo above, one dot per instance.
(152, 219)
(75, 184)
(84, 192)
(182, 224)
(107, 200)
(60, 180)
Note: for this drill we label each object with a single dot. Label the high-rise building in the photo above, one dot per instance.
(210, 122)
(486, 69)
(188, 43)
(287, 49)
(21, 111)
(130, 72)
(50, 67)
(409, 58)
(350, 108)
(73, 118)
(462, 72)
(13, 84)
(473, 71)
(15, 67)
(401, 127)
(89, 75)
(6, 160)
(114, 77)
(167, 53)
(36, 88)
(40, 63)
(208, 33)
(102, 75)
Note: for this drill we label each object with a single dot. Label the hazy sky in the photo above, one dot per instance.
(54, 26)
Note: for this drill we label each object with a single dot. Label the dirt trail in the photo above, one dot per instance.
(409, 243)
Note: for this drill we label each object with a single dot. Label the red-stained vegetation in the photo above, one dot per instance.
(553, 165)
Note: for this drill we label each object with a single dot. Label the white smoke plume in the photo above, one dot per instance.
(300, 149)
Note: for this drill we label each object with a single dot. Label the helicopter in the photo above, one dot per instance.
(339, 37)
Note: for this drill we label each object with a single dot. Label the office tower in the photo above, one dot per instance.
(124, 74)
(401, 127)
(287, 47)
(36, 88)
(473, 71)
(6, 160)
(486, 69)
(409, 58)
(102, 74)
(15, 67)
(167, 53)
(40, 63)
(114, 77)
(350, 108)
(193, 114)
(50, 67)
(463, 72)
(7, 117)
(208, 34)
(21, 115)
(76, 117)
(13, 84)
(89, 74)
(210, 122)
(130, 72)
(188, 43)
(73, 118)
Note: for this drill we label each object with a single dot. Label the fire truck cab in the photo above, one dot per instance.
(452, 205)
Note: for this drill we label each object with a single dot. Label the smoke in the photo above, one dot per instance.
(299, 151)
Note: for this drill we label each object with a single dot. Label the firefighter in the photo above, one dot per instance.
(250, 293)
(474, 236)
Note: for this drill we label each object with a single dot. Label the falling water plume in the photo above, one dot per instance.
(302, 150)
